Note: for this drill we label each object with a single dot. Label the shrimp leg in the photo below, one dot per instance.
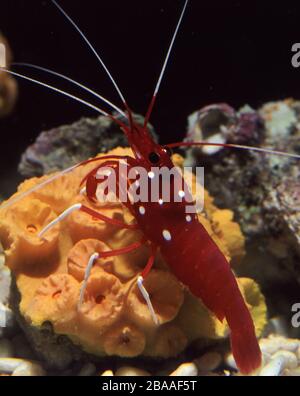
(141, 286)
(111, 253)
(106, 219)
(150, 262)
(89, 211)
(92, 180)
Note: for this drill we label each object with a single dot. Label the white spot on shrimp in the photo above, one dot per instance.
(151, 175)
(167, 235)
(142, 210)
(188, 218)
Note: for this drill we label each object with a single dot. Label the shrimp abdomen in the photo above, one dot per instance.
(199, 264)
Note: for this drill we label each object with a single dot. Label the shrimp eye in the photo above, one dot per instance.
(168, 150)
(154, 157)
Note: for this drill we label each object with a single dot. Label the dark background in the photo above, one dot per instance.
(233, 51)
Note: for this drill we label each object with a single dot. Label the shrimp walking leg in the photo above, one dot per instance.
(146, 296)
(93, 179)
(150, 262)
(89, 211)
(141, 286)
(111, 253)
(94, 257)
(106, 219)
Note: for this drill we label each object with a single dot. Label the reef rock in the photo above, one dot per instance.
(67, 145)
(262, 190)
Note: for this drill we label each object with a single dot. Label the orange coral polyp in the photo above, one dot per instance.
(80, 254)
(166, 295)
(82, 226)
(55, 301)
(21, 234)
(124, 340)
(102, 303)
(169, 341)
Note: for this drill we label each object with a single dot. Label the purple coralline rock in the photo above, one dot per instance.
(67, 145)
(220, 123)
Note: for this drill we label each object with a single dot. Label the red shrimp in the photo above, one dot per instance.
(185, 245)
(188, 250)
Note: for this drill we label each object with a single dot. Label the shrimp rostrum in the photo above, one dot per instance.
(170, 226)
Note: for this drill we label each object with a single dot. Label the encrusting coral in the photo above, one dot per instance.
(113, 318)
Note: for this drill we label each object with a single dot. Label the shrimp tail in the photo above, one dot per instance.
(246, 352)
(244, 344)
(228, 302)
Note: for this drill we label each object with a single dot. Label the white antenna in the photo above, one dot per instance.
(57, 90)
(73, 82)
(25, 194)
(235, 146)
(150, 108)
(170, 49)
(92, 48)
